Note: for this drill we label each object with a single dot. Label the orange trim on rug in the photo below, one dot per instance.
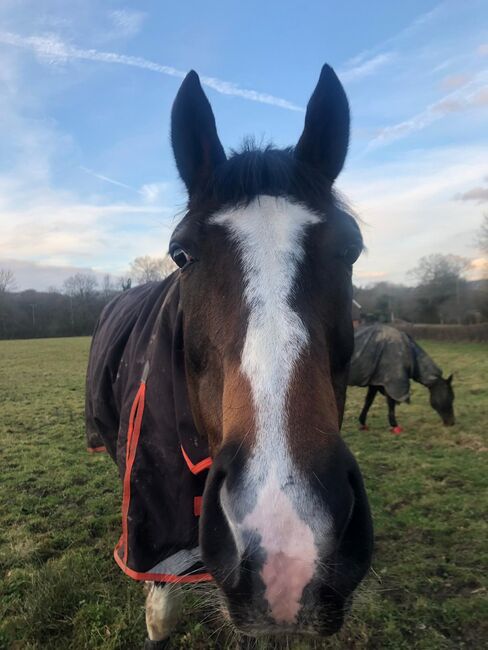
(158, 577)
(199, 467)
(197, 506)
(133, 433)
(96, 450)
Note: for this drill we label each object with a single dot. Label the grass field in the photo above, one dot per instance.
(59, 516)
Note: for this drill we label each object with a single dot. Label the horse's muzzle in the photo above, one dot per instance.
(448, 419)
(287, 564)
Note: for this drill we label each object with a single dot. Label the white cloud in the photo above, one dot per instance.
(372, 276)
(153, 192)
(453, 81)
(52, 49)
(32, 275)
(473, 93)
(366, 67)
(57, 234)
(478, 268)
(478, 194)
(371, 58)
(407, 205)
(150, 192)
(407, 208)
(42, 225)
(126, 23)
(59, 225)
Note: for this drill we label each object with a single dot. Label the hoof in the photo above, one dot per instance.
(396, 430)
(363, 427)
(156, 645)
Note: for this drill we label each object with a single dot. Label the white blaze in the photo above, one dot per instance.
(269, 234)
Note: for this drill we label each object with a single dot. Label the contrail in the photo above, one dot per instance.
(54, 50)
(109, 180)
(471, 94)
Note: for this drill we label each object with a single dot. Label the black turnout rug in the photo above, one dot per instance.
(137, 408)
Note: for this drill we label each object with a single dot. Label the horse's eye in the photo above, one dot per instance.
(351, 254)
(179, 256)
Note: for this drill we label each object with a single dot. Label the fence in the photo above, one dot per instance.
(478, 332)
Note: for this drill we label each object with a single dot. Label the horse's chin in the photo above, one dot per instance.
(312, 625)
(275, 632)
(258, 631)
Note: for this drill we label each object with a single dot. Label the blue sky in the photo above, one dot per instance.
(87, 179)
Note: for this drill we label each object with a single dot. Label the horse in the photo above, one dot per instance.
(385, 360)
(229, 378)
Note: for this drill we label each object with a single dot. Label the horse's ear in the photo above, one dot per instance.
(449, 379)
(325, 138)
(196, 145)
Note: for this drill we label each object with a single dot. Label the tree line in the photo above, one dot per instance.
(441, 294)
(74, 308)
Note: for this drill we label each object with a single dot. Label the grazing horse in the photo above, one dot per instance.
(385, 360)
(237, 365)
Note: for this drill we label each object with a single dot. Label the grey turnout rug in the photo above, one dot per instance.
(383, 356)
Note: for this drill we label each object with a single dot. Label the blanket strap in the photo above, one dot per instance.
(198, 467)
(133, 433)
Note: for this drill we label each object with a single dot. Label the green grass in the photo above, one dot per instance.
(59, 516)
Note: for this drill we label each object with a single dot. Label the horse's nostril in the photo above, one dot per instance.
(358, 523)
(218, 540)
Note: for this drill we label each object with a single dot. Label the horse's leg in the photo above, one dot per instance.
(391, 415)
(163, 603)
(370, 395)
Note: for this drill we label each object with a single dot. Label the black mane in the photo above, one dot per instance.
(254, 171)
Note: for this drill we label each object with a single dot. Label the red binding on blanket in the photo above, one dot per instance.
(121, 549)
(199, 467)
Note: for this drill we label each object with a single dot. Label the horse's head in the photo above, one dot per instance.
(266, 259)
(442, 399)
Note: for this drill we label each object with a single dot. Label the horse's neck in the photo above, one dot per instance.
(425, 371)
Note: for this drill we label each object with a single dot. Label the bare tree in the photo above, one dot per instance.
(437, 268)
(149, 269)
(440, 281)
(80, 285)
(109, 288)
(7, 281)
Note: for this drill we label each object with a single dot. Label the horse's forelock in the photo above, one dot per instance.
(254, 171)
